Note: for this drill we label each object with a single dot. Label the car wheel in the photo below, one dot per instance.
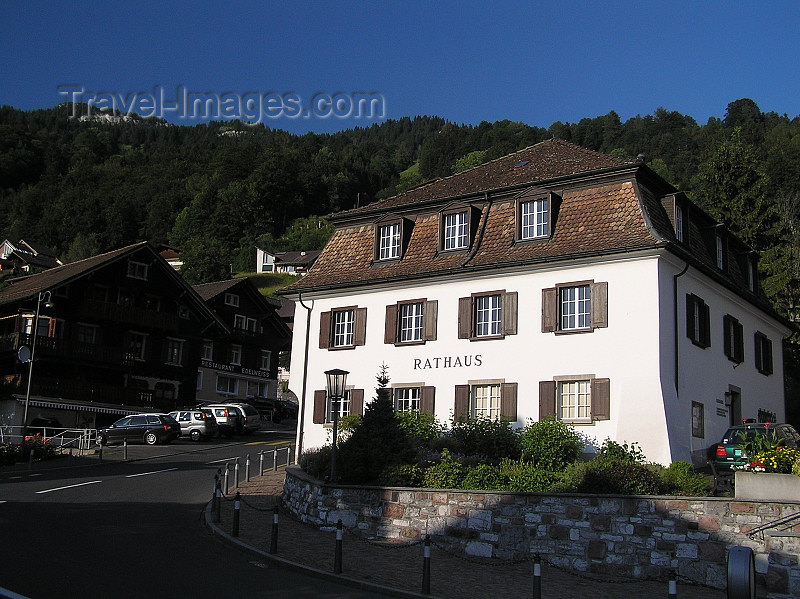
(195, 435)
(150, 438)
(101, 440)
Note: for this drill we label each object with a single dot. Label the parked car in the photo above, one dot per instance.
(270, 409)
(196, 423)
(227, 418)
(146, 428)
(290, 408)
(729, 452)
(249, 419)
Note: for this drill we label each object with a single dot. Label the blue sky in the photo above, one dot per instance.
(533, 62)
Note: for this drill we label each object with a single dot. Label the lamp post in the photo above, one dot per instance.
(336, 383)
(46, 297)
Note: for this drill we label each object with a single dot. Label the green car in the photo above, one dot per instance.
(729, 452)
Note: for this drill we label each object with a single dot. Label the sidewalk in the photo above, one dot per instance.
(397, 569)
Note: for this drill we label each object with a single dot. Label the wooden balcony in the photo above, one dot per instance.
(71, 350)
(94, 310)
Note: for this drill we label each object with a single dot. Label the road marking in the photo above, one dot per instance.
(286, 443)
(148, 473)
(2, 501)
(23, 476)
(91, 482)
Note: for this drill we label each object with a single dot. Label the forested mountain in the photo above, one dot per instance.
(217, 189)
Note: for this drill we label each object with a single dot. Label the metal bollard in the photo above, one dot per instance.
(261, 463)
(673, 585)
(237, 504)
(214, 494)
(337, 558)
(227, 470)
(273, 541)
(537, 576)
(236, 474)
(30, 459)
(247, 469)
(274, 460)
(215, 516)
(125, 449)
(426, 566)
(100, 453)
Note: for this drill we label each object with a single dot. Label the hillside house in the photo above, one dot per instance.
(297, 263)
(552, 281)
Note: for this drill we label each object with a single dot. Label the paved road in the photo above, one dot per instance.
(133, 529)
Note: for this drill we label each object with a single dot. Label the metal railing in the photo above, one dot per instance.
(64, 439)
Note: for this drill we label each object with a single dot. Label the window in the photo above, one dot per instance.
(164, 391)
(733, 336)
(752, 274)
(137, 270)
(488, 399)
(485, 402)
(698, 420)
(183, 312)
(578, 307)
(411, 322)
(266, 358)
(407, 399)
(343, 328)
(136, 346)
(720, 246)
(580, 399)
(227, 384)
(152, 302)
(679, 223)
(174, 351)
(352, 403)
(236, 354)
(124, 297)
(487, 315)
(256, 389)
(389, 241)
(575, 307)
(208, 350)
(763, 353)
(534, 218)
(698, 321)
(231, 299)
(243, 323)
(456, 230)
(199, 380)
(86, 333)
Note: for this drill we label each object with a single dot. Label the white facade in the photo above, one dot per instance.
(636, 352)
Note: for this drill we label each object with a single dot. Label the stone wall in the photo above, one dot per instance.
(630, 536)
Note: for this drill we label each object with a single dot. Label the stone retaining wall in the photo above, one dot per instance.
(630, 536)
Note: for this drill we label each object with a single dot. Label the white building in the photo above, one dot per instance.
(555, 280)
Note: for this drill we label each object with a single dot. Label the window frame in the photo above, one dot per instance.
(140, 353)
(392, 244)
(207, 350)
(680, 222)
(698, 321)
(137, 270)
(472, 217)
(763, 353)
(600, 397)
(698, 420)
(396, 399)
(393, 323)
(552, 321)
(534, 201)
(170, 344)
(221, 377)
(733, 339)
(231, 299)
(266, 359)
(327, 324)
(236, 354)
(468, 315)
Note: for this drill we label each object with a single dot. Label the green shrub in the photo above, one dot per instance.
(447, 473)
(526, 477)
(620, 477)
(422, 428)
(317, 462)
(680, 479)
(402, 475)
(624, 452)
(796, 467)
(494, 439)
(345, 427)
(550, 444)
(484, 477)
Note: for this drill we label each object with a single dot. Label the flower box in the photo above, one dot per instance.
(767, 486)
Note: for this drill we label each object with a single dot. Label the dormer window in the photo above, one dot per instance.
(534, 218)
(389, 241)
(456, 231)
(720, 246)
(679, 223)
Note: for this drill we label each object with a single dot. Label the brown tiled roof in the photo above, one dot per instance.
(549, 159)
(209, 290)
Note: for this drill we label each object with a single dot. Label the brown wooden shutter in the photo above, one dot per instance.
(601, 399)
(549, 310)
(431, 315)
(356, 401)
(319, 406)
(427, 399)
(464, 317)
(705, 325)
(599, 302)
(547, 399)
(360, 336)
(390, 326)
(461, 406)
(508, 401)
(52, 329)
(510, 313)
(325, 330)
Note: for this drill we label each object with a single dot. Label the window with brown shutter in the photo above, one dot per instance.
(357, 401)
(578, 307)
(343, 328)
(763, 353)
(508, 401)
(487, 315)
(698, 321)
(461, 406)
(427, 399)
(320, 403)
(601, 399)
(580, 399)
(547, 399)
(411, 322)
(733, 338)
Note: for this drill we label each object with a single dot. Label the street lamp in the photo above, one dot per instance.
(44, 296)
(336, 383)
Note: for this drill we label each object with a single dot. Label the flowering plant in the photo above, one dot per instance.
(779, 460)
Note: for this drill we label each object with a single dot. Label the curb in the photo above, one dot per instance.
(308, 570)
